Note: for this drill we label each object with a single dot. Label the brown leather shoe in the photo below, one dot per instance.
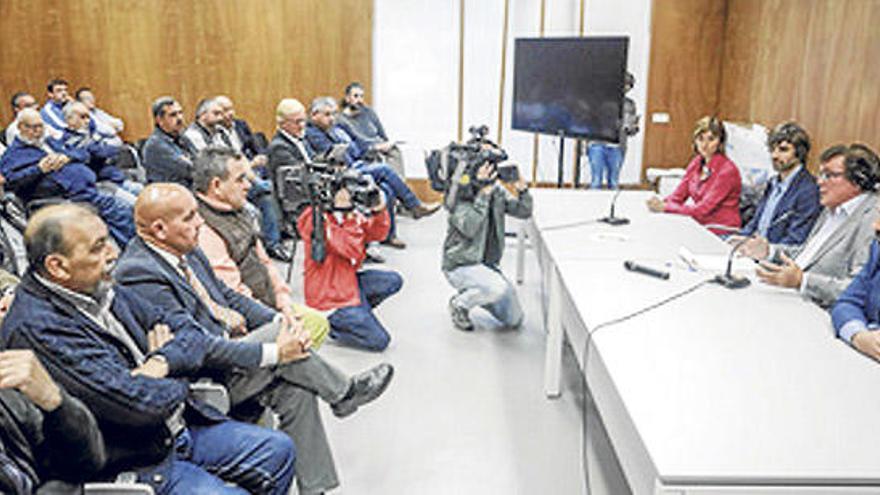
(424, 209)
(394, 242)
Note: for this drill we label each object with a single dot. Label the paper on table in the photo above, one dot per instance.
(715, 262)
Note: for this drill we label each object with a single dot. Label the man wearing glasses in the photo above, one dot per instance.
(839, 243)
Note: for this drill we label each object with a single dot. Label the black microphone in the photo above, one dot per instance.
(611, 219)
(732, 281)
(645, 270)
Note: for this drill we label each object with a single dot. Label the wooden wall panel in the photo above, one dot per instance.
(684, 75)
(131, 51)
(814, 61)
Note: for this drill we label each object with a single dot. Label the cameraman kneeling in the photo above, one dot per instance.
(474, 245)
(333, 282)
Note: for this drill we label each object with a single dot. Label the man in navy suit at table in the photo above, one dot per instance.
(793, 189)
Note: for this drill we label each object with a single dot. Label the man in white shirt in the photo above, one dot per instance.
(839, 244)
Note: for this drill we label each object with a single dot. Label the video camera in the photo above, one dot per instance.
(317, 183)
(454, 168)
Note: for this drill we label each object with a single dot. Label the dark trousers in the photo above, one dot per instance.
(393, 186)
(357, 325)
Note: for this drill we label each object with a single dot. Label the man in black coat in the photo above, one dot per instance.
(114, 351)
(44, 432)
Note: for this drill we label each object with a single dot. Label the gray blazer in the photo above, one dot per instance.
(841, 256)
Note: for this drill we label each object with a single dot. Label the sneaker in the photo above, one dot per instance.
(460, 317)
(279, 252)
(364, 388)
(373, 255)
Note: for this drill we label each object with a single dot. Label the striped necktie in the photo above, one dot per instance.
(230, 318)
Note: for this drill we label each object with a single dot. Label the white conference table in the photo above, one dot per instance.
(720, 391)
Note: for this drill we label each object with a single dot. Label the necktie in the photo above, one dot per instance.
(230, 318)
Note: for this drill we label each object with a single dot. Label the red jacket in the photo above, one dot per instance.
(715, 198)
(333, 283)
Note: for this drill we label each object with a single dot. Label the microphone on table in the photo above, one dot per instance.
(732, 281)
(645, 270)
(611, 219)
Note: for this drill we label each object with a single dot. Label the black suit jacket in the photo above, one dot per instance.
(286, 162)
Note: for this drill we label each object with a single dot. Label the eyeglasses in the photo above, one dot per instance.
(33, 126)
(826, 175)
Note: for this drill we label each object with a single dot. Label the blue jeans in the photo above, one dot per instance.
(393, 186)
(256, 459)
(260, 196)
(605, 161)
(357, 325)
(117, 213)
(482, 285)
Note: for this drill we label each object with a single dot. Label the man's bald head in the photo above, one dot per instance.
(158, 201)
(69, 244)
(166, 215)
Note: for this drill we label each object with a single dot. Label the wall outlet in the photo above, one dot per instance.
(660, 118)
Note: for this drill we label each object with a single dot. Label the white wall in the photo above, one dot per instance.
(415, 71)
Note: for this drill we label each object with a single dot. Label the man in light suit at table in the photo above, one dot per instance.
(839, 244)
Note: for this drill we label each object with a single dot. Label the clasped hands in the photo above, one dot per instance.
(293, 340)
(52, 162)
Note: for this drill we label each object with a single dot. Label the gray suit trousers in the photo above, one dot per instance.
(290, 391)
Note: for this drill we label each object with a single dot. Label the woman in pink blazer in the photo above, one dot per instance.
(711, 181)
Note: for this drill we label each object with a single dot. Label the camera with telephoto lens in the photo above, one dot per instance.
(454, 168)
(317, 183)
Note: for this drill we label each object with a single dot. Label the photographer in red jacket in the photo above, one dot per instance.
(333, 281)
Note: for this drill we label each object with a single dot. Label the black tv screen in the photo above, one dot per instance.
(569, 86)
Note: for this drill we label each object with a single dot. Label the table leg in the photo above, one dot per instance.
(521, 253)
(553, 353)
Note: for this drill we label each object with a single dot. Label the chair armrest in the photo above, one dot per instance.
(117, 489)
(213, 394)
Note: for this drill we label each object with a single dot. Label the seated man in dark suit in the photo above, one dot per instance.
(45, 434)
(322, 134)
(243, 139)
(792, 192)
(288, 148)
(164, 265)
(167, 153)
(36, 168)
(115, 351)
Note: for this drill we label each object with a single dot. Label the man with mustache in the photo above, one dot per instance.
(839, 243)
(792, 190)
(168, 154)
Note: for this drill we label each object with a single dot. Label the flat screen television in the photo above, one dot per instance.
(569, 86)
